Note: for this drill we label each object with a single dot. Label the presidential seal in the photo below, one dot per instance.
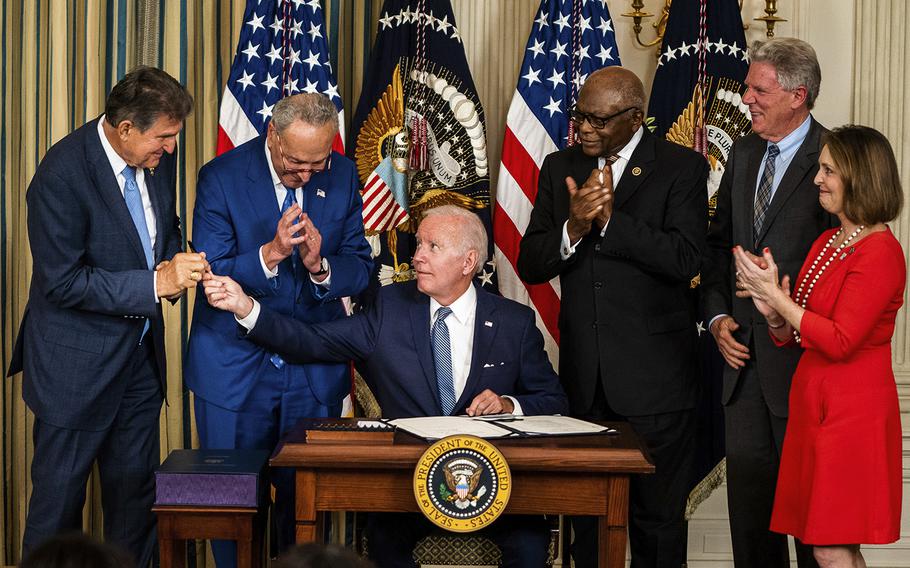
(462, 483)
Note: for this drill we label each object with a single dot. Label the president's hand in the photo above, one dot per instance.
(225, 294)
(183, 271)
(488, 402)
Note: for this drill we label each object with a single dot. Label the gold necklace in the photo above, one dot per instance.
(803, 299)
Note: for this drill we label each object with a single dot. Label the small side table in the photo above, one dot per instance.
(180, 523)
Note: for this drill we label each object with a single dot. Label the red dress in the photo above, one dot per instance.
(840, 470)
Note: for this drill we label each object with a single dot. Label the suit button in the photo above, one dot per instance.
(597, 248)
(598, 285)
(594, 325)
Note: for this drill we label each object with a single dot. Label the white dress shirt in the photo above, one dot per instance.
(117, 165)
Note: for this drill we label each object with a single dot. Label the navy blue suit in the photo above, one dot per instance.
(243, 398)
(95, 392)
(391, 344)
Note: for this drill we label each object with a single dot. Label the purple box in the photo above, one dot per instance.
(219, 478)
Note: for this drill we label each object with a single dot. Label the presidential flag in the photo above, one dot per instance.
(569, 39)
(418, 135)
(282, 50)
(696, 101)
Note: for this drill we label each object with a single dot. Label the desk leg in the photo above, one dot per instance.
(305, 512)
(613, 526)
(173, 553)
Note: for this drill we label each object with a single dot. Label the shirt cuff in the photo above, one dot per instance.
(265, 269)
(517, 410)
(155, 286)
(567, 249)
(714, 319)
(249, 322)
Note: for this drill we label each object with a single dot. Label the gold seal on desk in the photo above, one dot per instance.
(462, 483)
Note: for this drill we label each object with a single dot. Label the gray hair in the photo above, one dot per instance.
(314, 109)
(473, 235)
(794, 61)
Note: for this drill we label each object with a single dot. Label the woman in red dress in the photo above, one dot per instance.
(839, 484)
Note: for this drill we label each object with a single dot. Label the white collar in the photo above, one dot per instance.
(462, 308)
(117, 162)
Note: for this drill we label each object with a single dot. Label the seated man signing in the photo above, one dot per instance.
(393, 344)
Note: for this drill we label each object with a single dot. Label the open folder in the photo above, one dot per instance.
(498, 426)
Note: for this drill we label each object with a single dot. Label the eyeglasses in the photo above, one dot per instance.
(320, 166)
(597, 122)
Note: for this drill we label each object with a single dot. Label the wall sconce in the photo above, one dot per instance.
(659, 27)
(770, 18)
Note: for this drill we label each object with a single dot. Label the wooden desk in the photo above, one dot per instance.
(579, 475)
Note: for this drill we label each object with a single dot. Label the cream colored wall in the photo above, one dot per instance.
(495, 33)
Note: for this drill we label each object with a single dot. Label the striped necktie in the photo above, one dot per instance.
(763, 195)
(442, 357)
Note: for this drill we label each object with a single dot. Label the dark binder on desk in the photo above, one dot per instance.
(215, 478)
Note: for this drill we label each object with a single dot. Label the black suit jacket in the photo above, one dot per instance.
(390, 342)
(625, 309)
(91, 289)
(792, 223)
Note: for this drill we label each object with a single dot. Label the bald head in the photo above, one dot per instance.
(610, 110)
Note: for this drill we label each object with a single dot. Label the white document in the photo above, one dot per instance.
(498, 426)
(436, 427)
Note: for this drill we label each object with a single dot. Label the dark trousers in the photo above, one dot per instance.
(280, 400)
(755, 437)
(127, 452)
(657, 502)
(522, 539)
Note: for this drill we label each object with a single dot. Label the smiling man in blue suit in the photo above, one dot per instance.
(105, 242)
(281, 215)
(490, 361)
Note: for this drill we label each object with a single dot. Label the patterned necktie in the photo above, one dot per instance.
(137, 212)
(442, 357)
(290, 198)
(763, 195)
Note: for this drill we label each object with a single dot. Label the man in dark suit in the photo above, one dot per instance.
(281, 215)
(620, 219)
(496, 362)
(105, 241)
(766, 199)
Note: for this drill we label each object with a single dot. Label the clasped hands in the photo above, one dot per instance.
(590, 204)
(295, 230)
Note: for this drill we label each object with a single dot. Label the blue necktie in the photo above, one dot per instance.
(442, 357)
(290, 198)
(137, 212)
(763, 196)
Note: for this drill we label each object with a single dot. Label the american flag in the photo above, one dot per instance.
(569, 40)
(282, 51)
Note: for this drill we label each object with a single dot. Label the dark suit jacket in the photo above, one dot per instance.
(624, 309)
(236, 213)
(390, 342)
(91, 288)
(792, 223)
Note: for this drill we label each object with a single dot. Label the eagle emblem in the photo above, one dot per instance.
(462, 478)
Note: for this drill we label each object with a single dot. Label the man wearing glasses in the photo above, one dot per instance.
(620, 219)
(281, 215)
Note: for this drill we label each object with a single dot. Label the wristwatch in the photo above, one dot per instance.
(323, 268)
